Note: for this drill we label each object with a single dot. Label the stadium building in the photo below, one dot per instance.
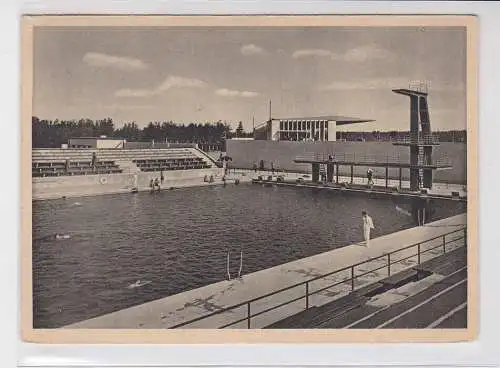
(318, 129)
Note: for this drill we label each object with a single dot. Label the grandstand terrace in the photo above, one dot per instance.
(69, 162)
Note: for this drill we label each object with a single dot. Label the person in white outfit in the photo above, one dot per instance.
(367, 227)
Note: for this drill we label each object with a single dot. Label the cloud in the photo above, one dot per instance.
(369, 52)
(174, 81)
(357, 54)
(169, 83)
(110, 61)
(252, 50)
(232, 93)
(312, 53)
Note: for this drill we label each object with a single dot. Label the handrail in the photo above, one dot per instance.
(336, 157)
(413, 138)
(307, 282)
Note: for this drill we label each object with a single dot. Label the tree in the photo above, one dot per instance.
(239, 130)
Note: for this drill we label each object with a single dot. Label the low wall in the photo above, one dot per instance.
(85, 185)
(247, 153)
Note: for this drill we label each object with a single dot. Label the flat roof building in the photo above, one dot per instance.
(320, 128)
(96, 142)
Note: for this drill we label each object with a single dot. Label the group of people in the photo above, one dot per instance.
(154, 184)
(261, 167)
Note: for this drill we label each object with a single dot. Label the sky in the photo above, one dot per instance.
(208, 74)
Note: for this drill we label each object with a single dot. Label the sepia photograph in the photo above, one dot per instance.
(280, 179)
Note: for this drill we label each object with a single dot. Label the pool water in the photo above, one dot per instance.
(117, 251)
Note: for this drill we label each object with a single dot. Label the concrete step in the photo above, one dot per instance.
(445, 263)
(316, 316)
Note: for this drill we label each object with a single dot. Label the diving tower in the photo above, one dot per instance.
(420, 140)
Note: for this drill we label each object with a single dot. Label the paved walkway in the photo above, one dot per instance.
(175, 309)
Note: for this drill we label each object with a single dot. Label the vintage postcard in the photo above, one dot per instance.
(218, 179)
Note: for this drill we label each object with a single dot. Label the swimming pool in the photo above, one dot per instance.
(178, 240)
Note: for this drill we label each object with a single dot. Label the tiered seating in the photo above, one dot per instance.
(58, 168)
(52, 162)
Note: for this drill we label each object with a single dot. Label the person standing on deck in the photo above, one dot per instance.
(367, 227)
(369, 175)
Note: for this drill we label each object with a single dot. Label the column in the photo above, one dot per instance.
(315, 173)
(414, 119)
(329, 172)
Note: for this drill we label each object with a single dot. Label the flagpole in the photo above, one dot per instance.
(270, 111)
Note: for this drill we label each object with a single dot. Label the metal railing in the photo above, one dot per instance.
(418, 139)
(367, 159)
(390, 261)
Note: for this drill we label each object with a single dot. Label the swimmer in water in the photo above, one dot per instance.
(404, 212)
(62, 236)
(138, 283)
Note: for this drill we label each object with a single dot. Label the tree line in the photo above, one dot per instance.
(54, 133)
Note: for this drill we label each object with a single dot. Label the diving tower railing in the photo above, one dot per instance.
(353, 159)
(419, 140)
(388, 260)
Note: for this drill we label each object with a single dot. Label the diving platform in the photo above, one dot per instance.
(334, 161)
(419, 92)
(367, 162)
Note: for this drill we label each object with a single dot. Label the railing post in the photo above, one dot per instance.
(352, 278)
(418, 262)
(386, 176)
(248, 315)
(307, 295)
(388, 264)
(444, 243)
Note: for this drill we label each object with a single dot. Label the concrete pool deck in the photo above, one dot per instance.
(182, 307)
(444, 189)
(74, 189)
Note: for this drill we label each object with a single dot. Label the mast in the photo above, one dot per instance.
(270, 115)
